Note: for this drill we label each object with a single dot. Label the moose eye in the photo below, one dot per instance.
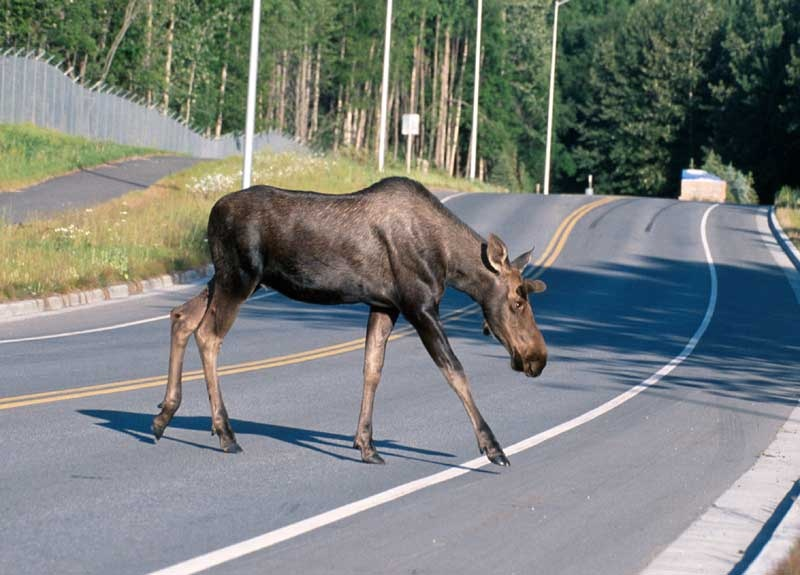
(518, 305)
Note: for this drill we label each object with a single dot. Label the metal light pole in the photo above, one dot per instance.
(473, 137)
(247, 169)
(385, 86)
(550, 100)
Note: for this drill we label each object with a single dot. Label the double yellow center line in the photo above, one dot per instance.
(551, 252)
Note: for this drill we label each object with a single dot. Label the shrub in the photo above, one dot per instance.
(788, 198)
(740, 185)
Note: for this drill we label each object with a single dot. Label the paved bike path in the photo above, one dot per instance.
(88, 186)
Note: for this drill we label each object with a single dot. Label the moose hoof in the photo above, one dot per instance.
(373, 458)
(232, 448)
(499, 459)
(157, 430)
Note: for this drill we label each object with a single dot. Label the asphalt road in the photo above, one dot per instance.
(84, 488)
(88, 186)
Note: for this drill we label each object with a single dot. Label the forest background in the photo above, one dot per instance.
(644, 87)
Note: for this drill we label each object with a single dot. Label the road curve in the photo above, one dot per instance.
(86, 490)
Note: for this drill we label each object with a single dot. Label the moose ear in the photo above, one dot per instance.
(496, 253)
(535, 286)
(522, 261)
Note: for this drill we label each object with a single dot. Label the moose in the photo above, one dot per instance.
(393, 246)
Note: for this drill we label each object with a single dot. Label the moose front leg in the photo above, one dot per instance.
(379, 326)
(430, 329)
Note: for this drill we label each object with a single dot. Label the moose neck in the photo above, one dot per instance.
(466, 270)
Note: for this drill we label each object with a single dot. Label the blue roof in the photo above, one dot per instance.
(699, 175)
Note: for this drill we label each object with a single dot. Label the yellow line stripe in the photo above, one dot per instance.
(548, 261)
(552, 251)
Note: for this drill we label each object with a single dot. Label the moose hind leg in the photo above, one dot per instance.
(215, 324)
(431, 332)
(185, 320)
(379, 326)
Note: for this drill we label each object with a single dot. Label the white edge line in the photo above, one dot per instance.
(458, 195)
(730, 524)
(108, 327)
(260, 542)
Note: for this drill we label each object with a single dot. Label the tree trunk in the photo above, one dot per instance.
(82, 69)
(223, 77)
(272, 99)
(395, 96)
(362, 113)
(298, 89)
(306, 93)
(421, 72)
(451, 161)
(282, 103)
(362, 124)
(168, 64)
(188, 116)
(434, 124)
(348, 124)
(444, 80)
(315, 111)
(148, 51)
(336, 124)
(130, 14)
(412, 102)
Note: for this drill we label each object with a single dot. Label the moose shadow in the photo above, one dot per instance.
(137, 426)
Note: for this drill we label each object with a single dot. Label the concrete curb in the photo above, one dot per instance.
(783, 239)
(30, 307)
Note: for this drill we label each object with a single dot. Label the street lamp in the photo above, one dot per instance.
(473, 137)
(247, 168)
(385, 85)
(550, 100)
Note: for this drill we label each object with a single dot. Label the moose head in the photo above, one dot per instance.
(507, 312)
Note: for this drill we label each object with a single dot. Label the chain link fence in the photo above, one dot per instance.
(32, 90)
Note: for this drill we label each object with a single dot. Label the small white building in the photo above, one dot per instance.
(699, 185)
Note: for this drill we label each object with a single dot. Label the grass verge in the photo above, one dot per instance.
(161, 229)
(29, 154)
(790, 222)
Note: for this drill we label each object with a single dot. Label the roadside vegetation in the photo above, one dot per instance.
(29, 154)
(162, 229)
(791, 565)
(644, 86)
(741, 187)
(787, 208)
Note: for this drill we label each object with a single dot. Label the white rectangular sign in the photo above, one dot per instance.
(410, 125)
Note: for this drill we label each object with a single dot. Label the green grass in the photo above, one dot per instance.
(790, 222)
(161, 229)
(29, 154)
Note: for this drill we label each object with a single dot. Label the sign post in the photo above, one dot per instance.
(410, 129)
(247, 168)
(385, 85)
